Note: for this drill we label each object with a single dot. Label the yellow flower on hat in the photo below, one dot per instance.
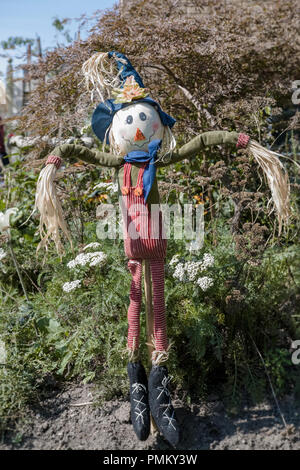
(130, 91)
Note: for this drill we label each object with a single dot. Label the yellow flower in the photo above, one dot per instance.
(130, 91)
(199, 199)
(102, 197)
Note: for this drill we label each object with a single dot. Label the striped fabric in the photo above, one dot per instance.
(242, 141)
(160, 326)
(158, 284)
(140, 237)
(57, 161)
(135, 267)
(140, 243)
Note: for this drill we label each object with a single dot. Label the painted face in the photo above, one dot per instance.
(135, 126)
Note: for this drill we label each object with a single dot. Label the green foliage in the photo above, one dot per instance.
(214, 331)
(60, 25)
(16, 41)
(81, 335)
(233, 337)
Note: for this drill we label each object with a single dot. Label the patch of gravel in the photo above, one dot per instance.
(58, 423)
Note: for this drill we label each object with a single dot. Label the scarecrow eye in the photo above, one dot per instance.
(129, 119)
(143, 117)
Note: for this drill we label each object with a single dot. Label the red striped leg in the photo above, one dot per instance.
(158, 283)
(135, 267)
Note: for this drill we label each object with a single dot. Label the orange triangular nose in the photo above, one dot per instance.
(139, 135)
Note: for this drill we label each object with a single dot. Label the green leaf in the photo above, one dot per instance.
(54, 326)
(64, 362)
(48, 325)
(42, 324)
(89, 377)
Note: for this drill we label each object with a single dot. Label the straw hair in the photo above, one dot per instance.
(277, 179)
(168, 143)
(48, 204)
(101, 75)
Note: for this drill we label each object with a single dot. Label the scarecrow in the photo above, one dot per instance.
(137, 139)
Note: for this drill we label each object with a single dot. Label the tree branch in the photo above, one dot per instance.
(181, 86)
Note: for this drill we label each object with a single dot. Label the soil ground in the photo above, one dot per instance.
(65, 419)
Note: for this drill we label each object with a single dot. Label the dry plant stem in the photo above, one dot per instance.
(270, 382)
(149, 307)
(149, 323)
(7, 179)
(8, 295)
(82, 404)
(17, 268)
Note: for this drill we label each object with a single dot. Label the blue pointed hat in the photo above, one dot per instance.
(125, 68)
(104, 113)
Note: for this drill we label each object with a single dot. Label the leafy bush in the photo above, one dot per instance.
(235, 334)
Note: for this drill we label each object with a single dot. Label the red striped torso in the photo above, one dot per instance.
(142, 226)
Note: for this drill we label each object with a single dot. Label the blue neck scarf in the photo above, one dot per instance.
(139, 156)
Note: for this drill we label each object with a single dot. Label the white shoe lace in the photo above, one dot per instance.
(137, 387)
(163, 389)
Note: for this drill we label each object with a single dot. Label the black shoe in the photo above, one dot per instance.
(140, 413)
(160, 405)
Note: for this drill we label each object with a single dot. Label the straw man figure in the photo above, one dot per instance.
(137, 139)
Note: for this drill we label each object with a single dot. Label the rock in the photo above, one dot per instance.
(45, 426)
(88, 141)
(122, 413)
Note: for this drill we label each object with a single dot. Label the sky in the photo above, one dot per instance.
(31, 18)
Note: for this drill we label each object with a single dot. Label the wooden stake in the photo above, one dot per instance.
(149, 323)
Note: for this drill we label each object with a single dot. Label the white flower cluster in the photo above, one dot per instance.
(188, 271)
(113, 187)
(208, 261)
(205, 282)
(174, 260)
(192, 268)
(96, 258)
(2, 254)
(179, 272)
(92, 245)
(92, 259)
(99, 260)
(68, 286)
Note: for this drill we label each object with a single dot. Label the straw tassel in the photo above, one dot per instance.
(277, 179)
(158, 357)
(101, 75)
(49, 206)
